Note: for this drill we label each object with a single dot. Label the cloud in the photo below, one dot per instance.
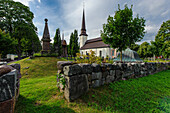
(67, 15)
(26, 2)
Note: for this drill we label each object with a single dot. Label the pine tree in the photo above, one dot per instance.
(70, 51)
(57, 43)
(75, 47)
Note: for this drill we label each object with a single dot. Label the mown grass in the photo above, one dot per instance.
(39, 93)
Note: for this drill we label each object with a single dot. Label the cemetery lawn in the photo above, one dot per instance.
(39, 94)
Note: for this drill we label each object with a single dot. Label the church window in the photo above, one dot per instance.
(100, 53)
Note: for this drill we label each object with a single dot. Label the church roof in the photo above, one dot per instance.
(94, 43)
(63, 42)
(46, 34)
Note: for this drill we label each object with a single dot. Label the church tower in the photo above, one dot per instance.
(83, 35)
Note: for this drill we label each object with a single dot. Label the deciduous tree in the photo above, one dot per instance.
(122, 30)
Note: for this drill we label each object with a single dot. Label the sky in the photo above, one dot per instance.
(67, 15)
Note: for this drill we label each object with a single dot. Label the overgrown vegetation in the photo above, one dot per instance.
(39, 93)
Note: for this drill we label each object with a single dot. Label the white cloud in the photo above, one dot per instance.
(26, 2)
(68, 15)
(151, 28)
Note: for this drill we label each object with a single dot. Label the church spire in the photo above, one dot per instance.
(83, 27)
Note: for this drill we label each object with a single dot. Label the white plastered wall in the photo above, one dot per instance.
(105, 51)
(83, 39)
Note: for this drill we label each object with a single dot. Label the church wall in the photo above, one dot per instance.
(105, 51)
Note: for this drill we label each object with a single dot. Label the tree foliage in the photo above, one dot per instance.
(70, 51)
(123, 30)
(73, 47)
(57, 47)
(162, 40)
(143, 50)
(16, 19)
(134, 47)
(6, 43)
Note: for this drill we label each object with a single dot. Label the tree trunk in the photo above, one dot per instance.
(19, 49)
(121, 55)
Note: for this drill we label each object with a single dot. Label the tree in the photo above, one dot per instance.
(143, 50)
(162, 39)
(6, 43)
(75, 46)
(123, 30)
(57, 47)
(134, 47)
(15, 18)
(70, 50)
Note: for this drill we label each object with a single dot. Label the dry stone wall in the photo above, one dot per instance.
(80, 77)
(9, 87)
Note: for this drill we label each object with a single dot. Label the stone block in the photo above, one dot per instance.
(86, 68)
(112, 73)
(61, 64)
(16, 66)
(89, 76)
(96, 83)
(103, 81)
(8, 85)
(75, 86)
(105, 74)
(96, 76)
(96, 67)
(109, 79)
(71, 70)
(4, 69)
(118, 75)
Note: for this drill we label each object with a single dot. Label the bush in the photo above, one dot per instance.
(90, 58)
(45, 55)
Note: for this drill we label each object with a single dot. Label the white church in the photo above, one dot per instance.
(96, 44)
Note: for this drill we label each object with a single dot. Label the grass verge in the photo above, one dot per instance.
(39, 94)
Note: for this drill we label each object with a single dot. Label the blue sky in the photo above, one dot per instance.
(67, 15)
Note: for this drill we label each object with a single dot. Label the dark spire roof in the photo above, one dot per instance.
(46, 34)
(83, 27)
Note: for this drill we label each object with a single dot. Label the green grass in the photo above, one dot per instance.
(39, 93)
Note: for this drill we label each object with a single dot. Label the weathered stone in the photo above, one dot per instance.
(75, 86)
(16, 66)
(112, 73)
(4, 69)
(109, 66)
(109, 79)
(96, 67)
(86, 68)
(103, 81)
(96, 83)
(105, 74)
(8, 85)
(118, 74)
(96, 76)
(61, 64)
(89, 76)
(71, 70)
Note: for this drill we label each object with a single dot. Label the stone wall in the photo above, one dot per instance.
(9, 87)
(80, 77)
